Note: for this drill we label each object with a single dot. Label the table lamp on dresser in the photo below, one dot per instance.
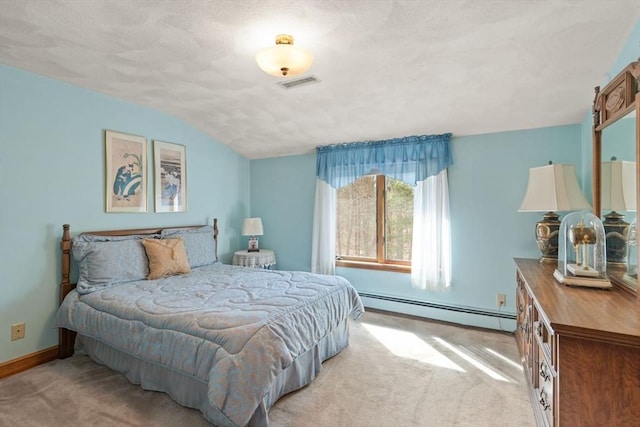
(552, 188)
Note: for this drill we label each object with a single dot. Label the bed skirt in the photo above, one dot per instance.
(192, 392)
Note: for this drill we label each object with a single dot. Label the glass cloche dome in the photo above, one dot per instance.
(582, 258)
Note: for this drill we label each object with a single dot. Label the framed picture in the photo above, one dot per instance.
(170, 176)
(126, 172)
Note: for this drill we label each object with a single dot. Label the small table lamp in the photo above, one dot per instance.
(618, 194)
(551, 189)
(252, 227)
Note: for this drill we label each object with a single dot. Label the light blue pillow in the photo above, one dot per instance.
(198, 242)
(104, 263)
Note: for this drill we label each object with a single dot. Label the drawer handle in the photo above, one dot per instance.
(544, 371)
(521, 308)
(544, 400)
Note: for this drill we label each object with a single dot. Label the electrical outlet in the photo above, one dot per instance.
(501, 300)
(17, 331)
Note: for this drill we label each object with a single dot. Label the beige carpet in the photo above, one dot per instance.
(396, 372)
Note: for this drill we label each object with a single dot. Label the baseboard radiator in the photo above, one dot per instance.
(439, 306)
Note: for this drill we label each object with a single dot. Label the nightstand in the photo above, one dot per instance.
(265, 258)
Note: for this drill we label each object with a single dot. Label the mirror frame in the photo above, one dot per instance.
(617, 99)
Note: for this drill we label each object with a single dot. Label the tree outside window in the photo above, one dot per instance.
(374, 224)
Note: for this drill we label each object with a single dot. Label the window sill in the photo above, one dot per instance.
(398, 268)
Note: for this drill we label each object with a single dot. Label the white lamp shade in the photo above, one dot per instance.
(252, 227)
(553, 188)
(618, 183)
(274, 59)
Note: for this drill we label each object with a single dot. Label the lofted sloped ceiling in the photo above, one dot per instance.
(388, 68)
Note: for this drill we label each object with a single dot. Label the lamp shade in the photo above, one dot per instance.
(284, 59)
(618, 183)
(553, 188)
(252, 227)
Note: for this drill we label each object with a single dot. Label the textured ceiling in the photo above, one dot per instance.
(388, 68)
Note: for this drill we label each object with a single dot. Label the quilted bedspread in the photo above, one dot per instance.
(234, 328)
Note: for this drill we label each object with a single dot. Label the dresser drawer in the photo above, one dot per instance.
(546, 387)
(524, 327)
(521, 320)
(545, 339)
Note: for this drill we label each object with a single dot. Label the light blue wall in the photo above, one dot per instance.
(282, 194)
(52, 172)
(486, 184)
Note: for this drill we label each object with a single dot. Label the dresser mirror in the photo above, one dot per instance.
(616, 156)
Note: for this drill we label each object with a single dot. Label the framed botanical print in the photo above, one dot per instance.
(170, 176)
(126, 172)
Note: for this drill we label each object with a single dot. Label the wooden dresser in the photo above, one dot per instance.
(580, 349)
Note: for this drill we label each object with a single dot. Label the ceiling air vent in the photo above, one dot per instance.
(304, 81)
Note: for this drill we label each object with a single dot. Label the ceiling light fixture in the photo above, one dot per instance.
(284, 59)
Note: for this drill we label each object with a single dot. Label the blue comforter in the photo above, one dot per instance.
(234, 328)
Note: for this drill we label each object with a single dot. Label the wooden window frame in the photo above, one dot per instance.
(380, 263)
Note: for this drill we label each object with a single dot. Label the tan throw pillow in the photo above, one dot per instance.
(167, 257)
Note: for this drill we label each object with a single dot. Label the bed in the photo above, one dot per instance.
(156, 306)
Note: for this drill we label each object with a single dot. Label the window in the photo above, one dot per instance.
(374, 224)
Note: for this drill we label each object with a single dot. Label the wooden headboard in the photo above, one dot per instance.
(67, 337)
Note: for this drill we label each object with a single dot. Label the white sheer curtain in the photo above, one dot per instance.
(431, 250)
(323, 250)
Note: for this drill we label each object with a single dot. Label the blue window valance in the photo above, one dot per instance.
(410, 159)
